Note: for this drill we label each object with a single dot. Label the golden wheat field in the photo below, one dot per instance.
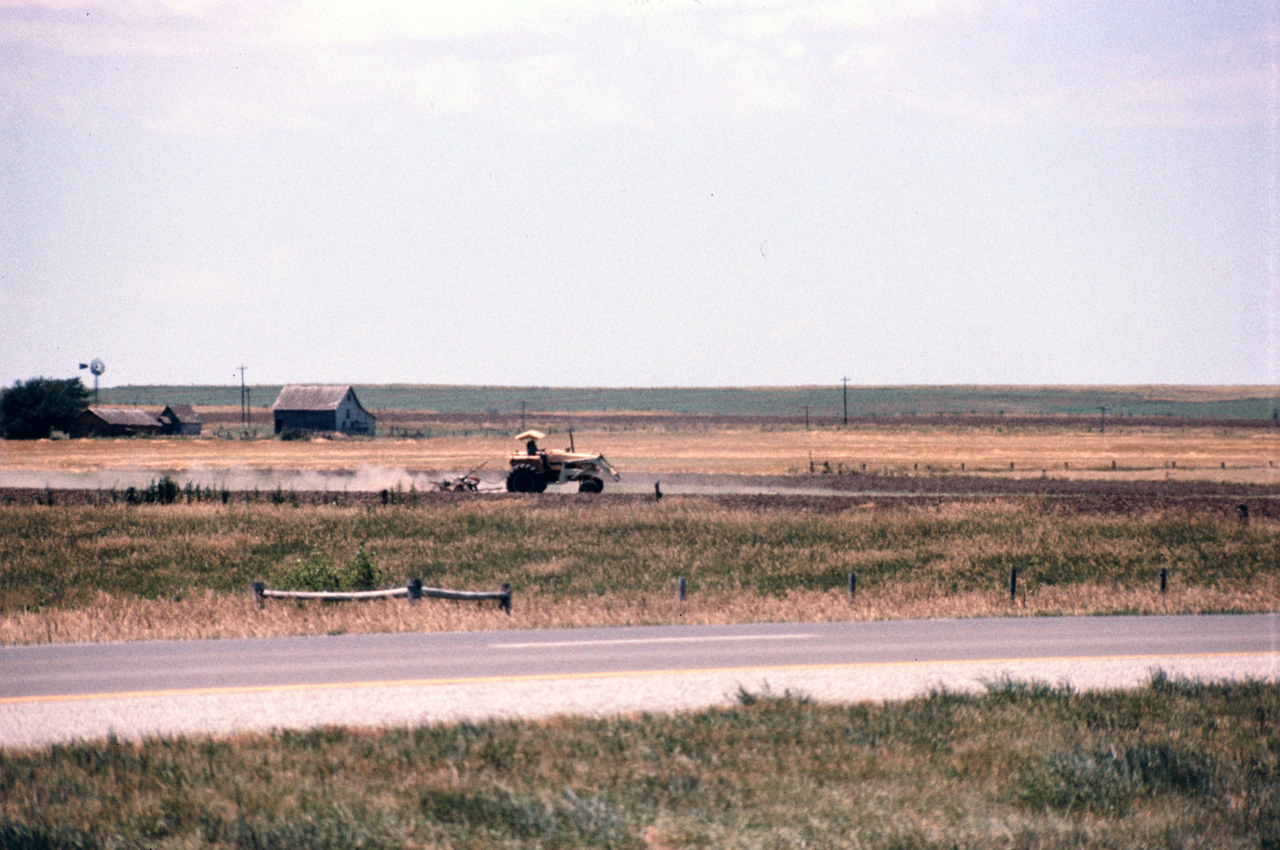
(1192, 453)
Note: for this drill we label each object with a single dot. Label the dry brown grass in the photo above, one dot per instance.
(1249, 455)
(117, 572)
(220, 615)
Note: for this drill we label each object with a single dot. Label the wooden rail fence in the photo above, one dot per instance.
(413, 591)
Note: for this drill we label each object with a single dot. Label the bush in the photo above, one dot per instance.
(317, 572)
(314, 572)
(362, 572)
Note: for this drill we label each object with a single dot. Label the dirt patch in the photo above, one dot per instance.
(779, 493)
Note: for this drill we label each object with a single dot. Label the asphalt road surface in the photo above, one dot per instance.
(86, 691)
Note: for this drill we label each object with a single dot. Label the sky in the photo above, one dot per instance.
(640, 193)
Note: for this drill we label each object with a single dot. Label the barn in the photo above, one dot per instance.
(308, 408)
(115, 422)
(180, 419)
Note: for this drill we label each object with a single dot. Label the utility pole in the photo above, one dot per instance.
(806, 417)
(1103, 428)
(244, 401)
(846, 400)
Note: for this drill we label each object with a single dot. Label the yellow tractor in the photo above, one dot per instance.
(533, 468)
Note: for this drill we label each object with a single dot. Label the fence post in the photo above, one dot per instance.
(258, 588)
(504, 602)
(1242, 513)
(1164, 579)
(853, 585)
(1013, 584)
(681, 589)
(415, 591)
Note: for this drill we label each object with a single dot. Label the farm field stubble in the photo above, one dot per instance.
(1246, 455)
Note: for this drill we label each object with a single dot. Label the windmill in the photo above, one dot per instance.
(96, 367)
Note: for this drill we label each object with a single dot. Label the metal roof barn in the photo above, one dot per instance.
(310, 408)
(116, 422)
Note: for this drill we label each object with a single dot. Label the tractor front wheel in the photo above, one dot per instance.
(523, 478)
(590, 485)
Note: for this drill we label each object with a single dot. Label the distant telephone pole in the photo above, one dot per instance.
(244, 400)
(846, 400)
(1103, 421)
(806, 417)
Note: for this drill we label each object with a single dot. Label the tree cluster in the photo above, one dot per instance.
(33, 409)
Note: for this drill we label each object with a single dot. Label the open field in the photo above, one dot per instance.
(930, 519)
(1172, 765)
(1243, 455)
(114, 571)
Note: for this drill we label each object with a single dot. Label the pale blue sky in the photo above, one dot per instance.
(655, 193)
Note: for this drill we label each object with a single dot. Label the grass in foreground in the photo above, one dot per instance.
(1173, 765)
(154, 571)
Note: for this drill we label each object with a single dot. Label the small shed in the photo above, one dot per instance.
(180, 419)
(309, 408)
(115, 422)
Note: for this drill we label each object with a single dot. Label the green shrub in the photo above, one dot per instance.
(362, 572)
(314, 572)
(318, 572)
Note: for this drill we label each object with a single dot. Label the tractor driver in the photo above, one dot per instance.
(532, 446)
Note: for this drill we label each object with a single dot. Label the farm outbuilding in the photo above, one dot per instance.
(308, 408)
(116, 422)
(180, 419)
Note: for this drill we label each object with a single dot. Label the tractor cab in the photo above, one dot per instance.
(532, 468)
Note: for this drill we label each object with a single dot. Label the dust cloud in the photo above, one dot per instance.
(365, 478)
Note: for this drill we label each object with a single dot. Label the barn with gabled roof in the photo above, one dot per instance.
(115, 422)
(180, 419)
(311, 408)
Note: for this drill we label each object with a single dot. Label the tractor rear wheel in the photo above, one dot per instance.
(590, 484)
(523, 478)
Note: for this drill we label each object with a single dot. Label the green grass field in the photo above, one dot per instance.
(1172, 765)
(823, 401)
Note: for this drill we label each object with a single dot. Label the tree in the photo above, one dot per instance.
(32, 409)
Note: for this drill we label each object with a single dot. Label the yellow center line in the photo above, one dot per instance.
(616, 674)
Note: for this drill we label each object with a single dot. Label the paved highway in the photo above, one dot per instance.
(64, 692)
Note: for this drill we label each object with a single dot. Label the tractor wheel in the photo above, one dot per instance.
(523, 478)
(590, 485)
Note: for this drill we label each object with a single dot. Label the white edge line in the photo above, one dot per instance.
(617, 641)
